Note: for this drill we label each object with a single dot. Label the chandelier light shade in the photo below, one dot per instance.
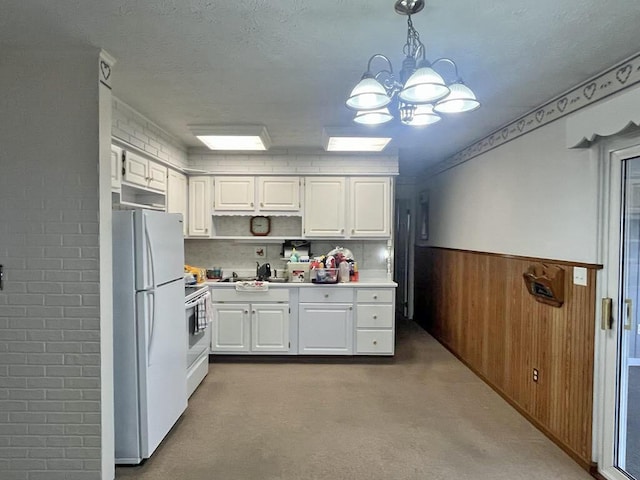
(460, 99)
(373, 117)
(368, 94)
(423, 115)
(419, 93)
(424, 86)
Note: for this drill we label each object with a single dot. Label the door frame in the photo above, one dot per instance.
(611, 153)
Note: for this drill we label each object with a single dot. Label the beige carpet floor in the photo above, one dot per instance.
(420, 415)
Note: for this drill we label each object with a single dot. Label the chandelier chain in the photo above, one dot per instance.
(413, 46)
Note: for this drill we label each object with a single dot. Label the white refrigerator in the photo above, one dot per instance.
(150, 334)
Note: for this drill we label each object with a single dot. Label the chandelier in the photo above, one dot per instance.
(419, 93)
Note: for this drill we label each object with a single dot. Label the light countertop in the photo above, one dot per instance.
(363, 283)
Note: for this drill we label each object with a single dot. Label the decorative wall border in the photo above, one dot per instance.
(105, 66)
(613, 80)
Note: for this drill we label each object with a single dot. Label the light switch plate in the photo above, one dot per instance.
(580, 276)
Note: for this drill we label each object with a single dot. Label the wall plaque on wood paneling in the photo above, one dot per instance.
(545, 283)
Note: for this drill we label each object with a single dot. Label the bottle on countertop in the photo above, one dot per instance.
(343, 272)
(294, 255)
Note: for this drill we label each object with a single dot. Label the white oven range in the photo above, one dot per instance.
(197, 308)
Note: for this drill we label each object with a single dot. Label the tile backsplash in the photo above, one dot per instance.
(241, 257)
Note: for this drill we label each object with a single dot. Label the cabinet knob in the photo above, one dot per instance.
(326, 295)
(353, 231)
(342, 230)
(375, 317)
(375, 297)
(375, 342)
(253, 312)
(246, 311)
(261, 204)
(252, 204)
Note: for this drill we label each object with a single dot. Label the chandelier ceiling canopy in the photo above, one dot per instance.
(419, 93)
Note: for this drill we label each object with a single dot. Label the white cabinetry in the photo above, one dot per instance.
(269, 327)
(355, 207)
(199, 206)
(144, 172)
(177, 196)
(230, 328)
(116, 168)
(279, 194)
(250, 322)
(369, 207)
(238, 194)
(324, 207)
(375, 321)
(234, 193)
(325, 321)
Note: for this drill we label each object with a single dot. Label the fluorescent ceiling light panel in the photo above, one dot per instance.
(242, 137)
(352, 141)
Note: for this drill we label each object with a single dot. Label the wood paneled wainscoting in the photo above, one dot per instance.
(477, 305)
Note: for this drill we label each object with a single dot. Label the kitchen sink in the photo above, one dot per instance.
(250, 279)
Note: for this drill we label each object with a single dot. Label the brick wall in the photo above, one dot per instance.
(295, 163)
(49, 309)
(135, 130)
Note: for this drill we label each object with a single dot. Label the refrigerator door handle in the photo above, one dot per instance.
(147, 238)
(152, 317)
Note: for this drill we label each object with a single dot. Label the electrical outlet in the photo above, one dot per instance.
(535, 375)
(580, 276)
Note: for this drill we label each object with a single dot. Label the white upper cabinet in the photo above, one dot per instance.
(234, 193)
(354, 207)
(136, 169)
(116, 168)
(145, 173)
(369, 207)
(250, 194)
(199, 206)
(279, 194)
(177, 196)
(157, 176)
(324, 207)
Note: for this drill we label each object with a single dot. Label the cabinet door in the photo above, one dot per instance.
(279, 193)
(136, 169)
(325, 329)
(157, 176)
(324, 202)
(230, 328)
(199, 206)
(234, 193)
(269, 327)
(369, 207)
(177, 196)
(116, 168)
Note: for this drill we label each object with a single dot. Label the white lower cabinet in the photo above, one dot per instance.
(258, 326)
(231, 326)
(325, 321)
(269, 328)
(375, 321)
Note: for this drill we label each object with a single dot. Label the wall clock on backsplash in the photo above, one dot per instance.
(260, 226)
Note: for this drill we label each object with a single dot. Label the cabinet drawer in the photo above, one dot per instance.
(375, 316)
(373, 295)
(320, 294)
(231, 295)
(374, 341)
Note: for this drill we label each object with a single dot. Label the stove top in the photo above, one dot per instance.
(191, 291)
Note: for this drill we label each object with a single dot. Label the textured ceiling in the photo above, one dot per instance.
(290, 64)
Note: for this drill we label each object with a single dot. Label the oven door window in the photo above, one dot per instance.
(198, 342)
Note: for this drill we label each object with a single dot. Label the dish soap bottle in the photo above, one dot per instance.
(294, 255)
